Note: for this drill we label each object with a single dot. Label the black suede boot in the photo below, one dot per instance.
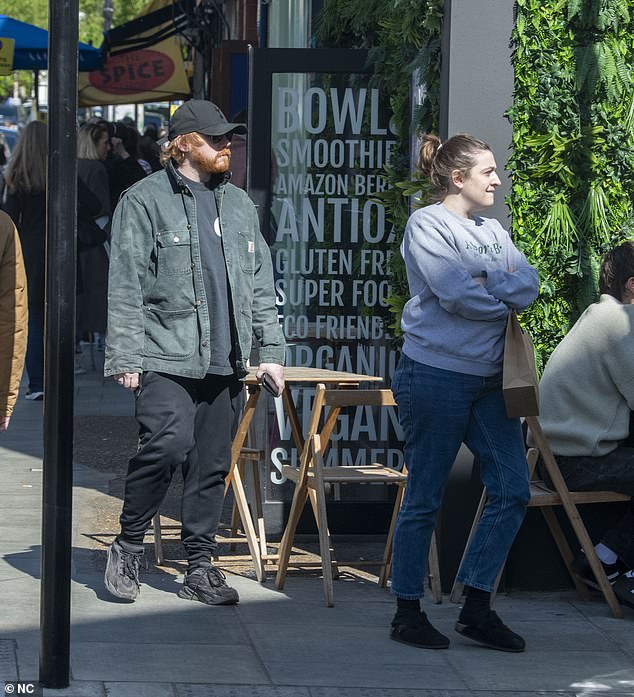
(411, 626)
(481, 624)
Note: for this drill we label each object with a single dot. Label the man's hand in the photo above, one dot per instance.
(276, 371)
(4, 423)
(128, 380)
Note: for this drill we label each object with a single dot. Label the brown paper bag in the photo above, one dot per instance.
(519, 375)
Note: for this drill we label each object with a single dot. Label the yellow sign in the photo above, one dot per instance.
(7, 47)
(152, 74)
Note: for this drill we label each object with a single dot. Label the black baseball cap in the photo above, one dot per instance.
(201, 116)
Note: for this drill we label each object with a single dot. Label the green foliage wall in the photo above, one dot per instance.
(573, 132)
(573, 149)
(404, 40)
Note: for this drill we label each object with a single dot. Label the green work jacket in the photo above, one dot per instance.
(157, 310)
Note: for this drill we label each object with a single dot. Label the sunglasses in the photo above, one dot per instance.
(216, 140)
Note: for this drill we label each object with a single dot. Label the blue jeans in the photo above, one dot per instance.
(35, 349)
(439, 410)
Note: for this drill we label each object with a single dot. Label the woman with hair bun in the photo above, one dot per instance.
(465, 275)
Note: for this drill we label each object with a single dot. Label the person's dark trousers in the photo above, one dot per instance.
(188, 422)
(35, 349)
(611, 472)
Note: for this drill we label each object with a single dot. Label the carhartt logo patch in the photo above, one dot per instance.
(250, 247)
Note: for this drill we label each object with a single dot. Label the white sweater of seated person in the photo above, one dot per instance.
(587, 390)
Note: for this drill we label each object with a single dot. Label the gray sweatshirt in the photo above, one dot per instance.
(452, 321)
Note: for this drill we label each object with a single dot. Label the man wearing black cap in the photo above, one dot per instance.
(191, 283)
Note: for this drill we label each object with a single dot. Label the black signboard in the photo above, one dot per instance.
(319, 139)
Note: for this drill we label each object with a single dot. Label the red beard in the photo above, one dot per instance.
(211, 163)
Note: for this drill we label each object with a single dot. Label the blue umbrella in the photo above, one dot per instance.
(31, 47)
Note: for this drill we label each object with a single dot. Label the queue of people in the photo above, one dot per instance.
(189, 285)
(108, 163)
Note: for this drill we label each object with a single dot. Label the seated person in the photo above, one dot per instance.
(586, 400)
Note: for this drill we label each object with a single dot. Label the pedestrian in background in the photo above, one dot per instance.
(123, 166)
(149, 149)
(191, 284)
(13, 318)
(465, 276)
(25, 202)
(93, 147)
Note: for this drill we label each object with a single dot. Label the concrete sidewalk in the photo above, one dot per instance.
(273, 644)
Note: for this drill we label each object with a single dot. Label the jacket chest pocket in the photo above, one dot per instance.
(246, 252)
(174, 253)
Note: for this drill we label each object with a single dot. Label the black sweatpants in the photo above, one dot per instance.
(188, 422)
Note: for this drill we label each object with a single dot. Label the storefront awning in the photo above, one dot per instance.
(144, 59)
(30, 50)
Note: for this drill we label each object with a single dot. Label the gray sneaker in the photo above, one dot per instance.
(122, 572)
(208, 585)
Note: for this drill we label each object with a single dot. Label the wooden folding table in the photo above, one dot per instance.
(292, 376)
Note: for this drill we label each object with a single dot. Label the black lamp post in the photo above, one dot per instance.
(61, 252)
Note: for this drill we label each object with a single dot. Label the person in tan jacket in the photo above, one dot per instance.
(13, 317)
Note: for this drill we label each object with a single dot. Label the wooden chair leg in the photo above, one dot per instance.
(566, 554)
(312, 494)
(386, 564)
(564, 549)
(574, 518)
(324, 539)
(257, 505)
(433, 566)
(247, 522)
(158, 541)
(235, 515)
(458, 587)
(433, 571)
(588, 548)
(286, 545)
(259, 510)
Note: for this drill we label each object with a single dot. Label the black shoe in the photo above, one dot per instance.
(207, 584)
(492, 632)
(122, 572)
(624, 589)
(416, 630)
(581, 567)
